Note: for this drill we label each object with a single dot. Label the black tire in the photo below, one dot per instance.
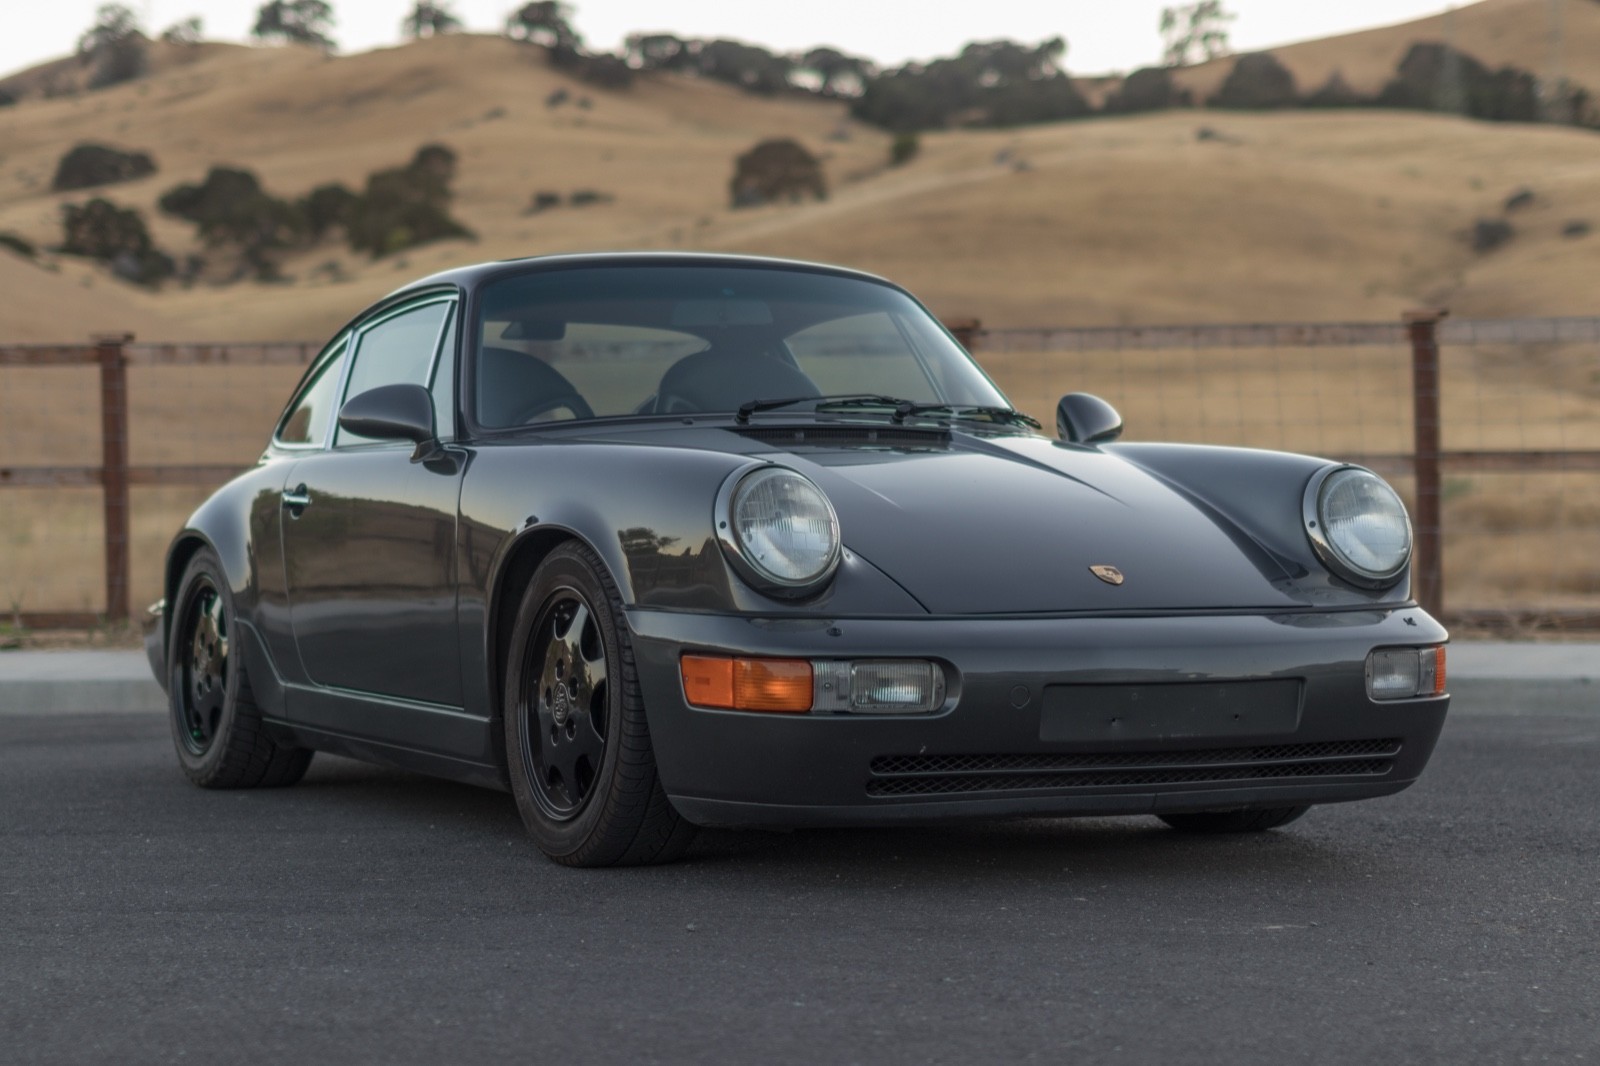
(1247, 821)
(578, 751)
(216, 725)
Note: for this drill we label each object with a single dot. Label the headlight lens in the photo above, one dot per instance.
(1360, 526)
(782, 529)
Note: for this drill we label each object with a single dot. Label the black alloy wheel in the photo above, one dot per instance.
(578, 749)
(564, 739)
(205, 667)
(216, 724)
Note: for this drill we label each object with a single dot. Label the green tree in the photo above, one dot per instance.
(429, 19)
(185, 32)
(546, 22)
(1199, 30)
(114, 46)
(297, 21)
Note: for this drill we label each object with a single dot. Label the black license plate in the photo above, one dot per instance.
(1157, 712)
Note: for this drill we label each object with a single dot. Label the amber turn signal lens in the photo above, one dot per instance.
(1438, 671)
(782, 685)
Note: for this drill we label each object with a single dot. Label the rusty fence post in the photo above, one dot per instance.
(111, 353)
(965, 330)
(1428, 569)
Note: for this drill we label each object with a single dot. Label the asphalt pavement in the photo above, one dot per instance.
(373, 915)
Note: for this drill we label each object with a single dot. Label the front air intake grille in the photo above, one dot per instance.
(848, 436)
(939, 775)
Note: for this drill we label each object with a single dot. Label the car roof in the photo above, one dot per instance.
(476, 274)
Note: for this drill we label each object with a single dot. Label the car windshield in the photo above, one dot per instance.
(603, 341)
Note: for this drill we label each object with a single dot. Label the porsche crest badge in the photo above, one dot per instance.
(1109, 574)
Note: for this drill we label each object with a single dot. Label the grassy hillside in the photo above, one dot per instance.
(1497, 32)
(1350, 215)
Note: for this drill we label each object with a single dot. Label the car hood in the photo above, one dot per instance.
(1015, 524)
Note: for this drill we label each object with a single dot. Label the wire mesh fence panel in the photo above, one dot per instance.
(158, 514)
(1526, 539)
(1336, 402)
(49, 416)
(205, 415)
(51, 550)
(51, 533)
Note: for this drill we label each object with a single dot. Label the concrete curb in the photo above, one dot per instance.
(1498, 678)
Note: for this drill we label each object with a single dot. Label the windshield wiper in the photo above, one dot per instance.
(842, 399)
(966, 410)
(903, 409)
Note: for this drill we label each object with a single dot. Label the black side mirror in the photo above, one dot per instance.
(1085, 419)
(392, 412)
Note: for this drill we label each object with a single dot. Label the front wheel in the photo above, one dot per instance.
(577, 748)
(1247, 821)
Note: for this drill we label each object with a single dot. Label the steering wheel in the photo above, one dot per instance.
(572, 401)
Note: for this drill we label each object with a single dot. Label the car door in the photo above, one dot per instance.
(369, 544)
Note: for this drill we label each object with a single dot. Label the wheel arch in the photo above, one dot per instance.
(521, 561)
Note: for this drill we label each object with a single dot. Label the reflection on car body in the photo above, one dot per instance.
(659, 541)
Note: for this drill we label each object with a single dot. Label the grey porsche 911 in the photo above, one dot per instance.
(657, 541)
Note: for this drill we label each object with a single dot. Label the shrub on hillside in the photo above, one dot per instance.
(1335, 92)
(233, 212)
(1147, 89)
(403, 207)
(1435, 77)
(991, 83)
(776, 169)
(7, 99)
(325, 208)
(904, 149)
(88, 165)
(102, 231)
(1257, 82)
(19, 244)
(1490, 233)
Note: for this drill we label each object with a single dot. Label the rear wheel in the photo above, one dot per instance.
(216, 725)
(577, 747)
(1247, 821)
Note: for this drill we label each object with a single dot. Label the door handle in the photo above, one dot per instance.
(297, 499)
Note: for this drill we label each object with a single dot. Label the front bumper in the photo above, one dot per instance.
(985, 754)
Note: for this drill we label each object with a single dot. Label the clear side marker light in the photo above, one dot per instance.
(1405, 673)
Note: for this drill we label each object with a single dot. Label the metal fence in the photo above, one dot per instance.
(1491, 429)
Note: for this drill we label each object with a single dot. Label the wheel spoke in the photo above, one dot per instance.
(565, 737)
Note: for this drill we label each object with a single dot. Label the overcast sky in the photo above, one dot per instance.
(1101, 35)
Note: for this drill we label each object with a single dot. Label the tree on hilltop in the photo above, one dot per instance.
(297, 21)
(1199, 30)
(546, 22)
(429, 19)
(114, 46)
(186, 32)
(838, 74)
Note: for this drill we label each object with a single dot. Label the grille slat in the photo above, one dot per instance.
(935, 775)
(961, 764)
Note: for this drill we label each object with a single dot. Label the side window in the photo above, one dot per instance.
(306, 422)
(398, 350)
(443, 385)
(860, 353)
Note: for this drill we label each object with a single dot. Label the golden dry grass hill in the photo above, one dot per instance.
(1348, 215)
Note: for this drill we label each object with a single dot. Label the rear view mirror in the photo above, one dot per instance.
(1082, 418)
(391, 412)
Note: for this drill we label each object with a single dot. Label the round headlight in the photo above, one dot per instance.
(779, 529)
(1358, 525)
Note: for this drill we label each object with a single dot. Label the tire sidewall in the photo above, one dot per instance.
(562, 570)
(205, 766)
